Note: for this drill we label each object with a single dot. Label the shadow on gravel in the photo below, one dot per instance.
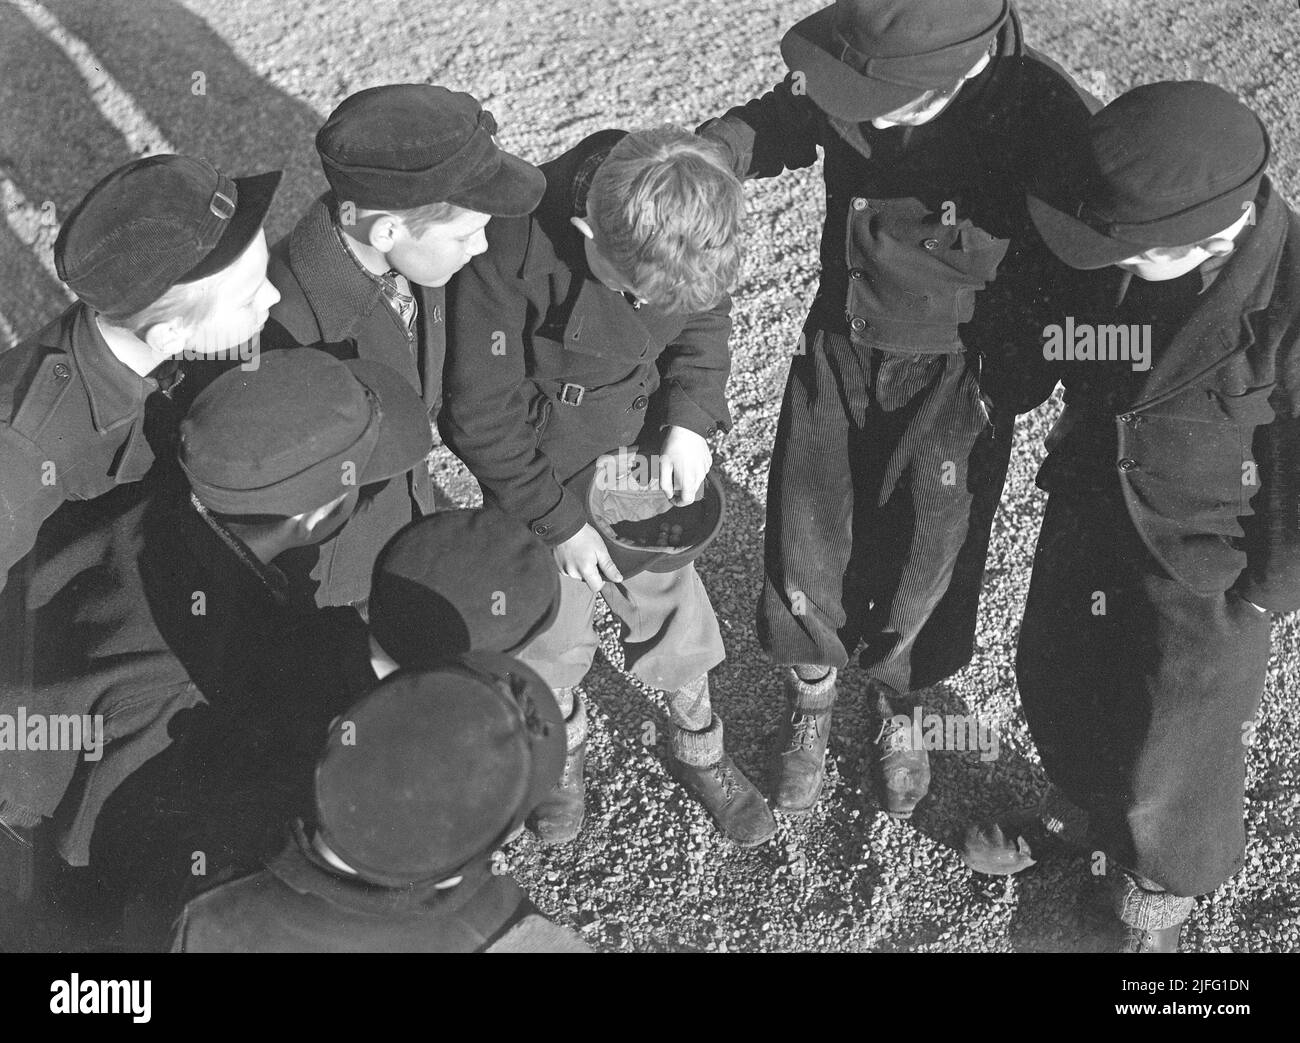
(57, 139)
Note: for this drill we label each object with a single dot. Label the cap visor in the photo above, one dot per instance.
(513, 191)
(546, 744)
(1074, 242)
(405, 434)
(255, 195)
(835, 88)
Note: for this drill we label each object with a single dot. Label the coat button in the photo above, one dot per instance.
(541, 530)
(640, 402)
(931, 244)
(1127, 465)
(858, 324)
(856, 273)
(61, 371)
(1127, 418)
(859, 203)
(713, 430)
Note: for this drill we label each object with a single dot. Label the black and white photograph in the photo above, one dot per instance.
(650, 476)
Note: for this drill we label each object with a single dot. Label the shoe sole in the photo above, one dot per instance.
(746, 845)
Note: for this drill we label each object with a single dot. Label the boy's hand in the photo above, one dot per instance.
(584, 556)
(684, 461)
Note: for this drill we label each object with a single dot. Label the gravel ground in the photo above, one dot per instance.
(85, 85)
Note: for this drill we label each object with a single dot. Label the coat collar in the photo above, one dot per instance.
(340, 293)
(300, 868)
(1220, 326)
(340, 296)
(114, 392)
(553, 242)
(554, 245)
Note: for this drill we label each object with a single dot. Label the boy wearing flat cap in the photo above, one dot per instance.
(419, 782)
(175, 601)
(167, 257)
(887, 466)
(601, 321)
(415, 175)
(1172, 527)
(471, 580)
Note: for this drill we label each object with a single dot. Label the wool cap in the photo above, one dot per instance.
(156, 222)
(406, 145)
(1166, 164)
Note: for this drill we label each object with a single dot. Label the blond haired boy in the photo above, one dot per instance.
(599, 321)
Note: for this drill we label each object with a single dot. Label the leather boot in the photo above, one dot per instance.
(699, 763)
(1017, 839)
(558, 818)
(899, 773)
(801, 769)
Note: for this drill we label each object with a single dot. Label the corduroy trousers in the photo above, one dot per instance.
(885, 475)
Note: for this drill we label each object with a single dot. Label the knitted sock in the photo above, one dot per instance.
(564, 699)
(812, 696)
(1144, 904)
(690, 707)
(698, 748)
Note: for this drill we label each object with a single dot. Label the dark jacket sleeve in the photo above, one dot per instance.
(693, 371)
(27, 497)
(779, 131)
(485, 417)
(1271, 578)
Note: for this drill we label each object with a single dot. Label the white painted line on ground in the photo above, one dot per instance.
(114, 103)
(32, 223)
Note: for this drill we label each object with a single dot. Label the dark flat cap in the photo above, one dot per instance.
(299, 431)
(156, 222)
(1166, 164)
(410, 144)
(433, 769)
(458, 581)
(864, 58)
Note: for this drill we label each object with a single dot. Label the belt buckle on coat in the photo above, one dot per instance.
(571, 394)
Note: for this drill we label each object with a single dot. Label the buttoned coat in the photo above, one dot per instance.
(72, 426)
(547, 368)
(1209, 449)
(325, 297)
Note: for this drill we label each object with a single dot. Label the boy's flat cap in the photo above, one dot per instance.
(1166, 164)
(156, 222)
(299, 431)
(433, 769)
(864, 58)
(406, 145)
(458, 581)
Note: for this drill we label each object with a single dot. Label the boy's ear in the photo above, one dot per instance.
(383, 232)
(581, 224)
(166, 338)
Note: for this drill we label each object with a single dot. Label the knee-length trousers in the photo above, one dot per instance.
(885, 475)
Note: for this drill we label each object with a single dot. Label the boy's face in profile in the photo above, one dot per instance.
(1162, 263)
(928, 105)
(440, 251)
(239, 300)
